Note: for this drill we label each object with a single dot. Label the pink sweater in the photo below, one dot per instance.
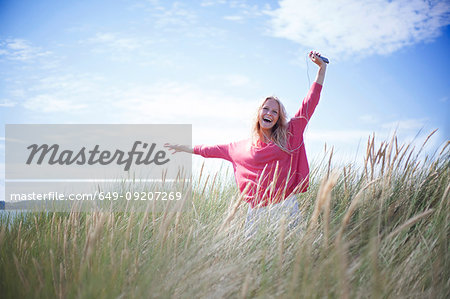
(256, 165)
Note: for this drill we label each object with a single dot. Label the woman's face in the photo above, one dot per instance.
(269, 114)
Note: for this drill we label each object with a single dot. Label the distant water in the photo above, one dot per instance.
(11, 214)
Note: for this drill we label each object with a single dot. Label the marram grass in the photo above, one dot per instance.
(377, 232)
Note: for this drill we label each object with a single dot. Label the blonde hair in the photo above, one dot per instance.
(279, 132)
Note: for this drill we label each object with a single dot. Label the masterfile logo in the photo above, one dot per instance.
(98, 163)
(91, 157)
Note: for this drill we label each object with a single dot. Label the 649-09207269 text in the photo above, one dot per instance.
(103, 196)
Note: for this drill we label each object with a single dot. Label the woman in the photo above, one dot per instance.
(272, 165)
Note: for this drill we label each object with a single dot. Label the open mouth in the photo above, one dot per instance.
(267, 120)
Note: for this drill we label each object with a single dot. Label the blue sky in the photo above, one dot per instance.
(209, 64)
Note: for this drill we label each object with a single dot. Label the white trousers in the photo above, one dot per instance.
(271, 215)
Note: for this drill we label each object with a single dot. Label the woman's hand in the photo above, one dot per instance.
(176, 148)
(314, 56)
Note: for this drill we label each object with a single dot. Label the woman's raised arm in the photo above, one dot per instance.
(314, 56)
(312, 98)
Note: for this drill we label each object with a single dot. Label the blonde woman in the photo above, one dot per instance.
(272, 165)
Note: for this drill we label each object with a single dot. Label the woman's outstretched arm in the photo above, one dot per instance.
(215, 151)
(314, 56)
(176, 148)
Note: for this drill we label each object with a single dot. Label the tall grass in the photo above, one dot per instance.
(379, 231)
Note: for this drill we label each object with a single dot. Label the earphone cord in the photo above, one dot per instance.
(307, 69)
(306, 118)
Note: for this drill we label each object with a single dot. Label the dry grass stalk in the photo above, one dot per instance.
(377, 283)
(234, 209)
(92, 238)
(245, 286)
(382, 156)
(444, 148)
(52, 265)
(143, 223)
(407, 165)
(18, 235)
(261, 177)
(124, 256)
(397, 152)
(164, 216)
(368, 154)
(66, 227)
(177, 222)
(112, 254)
(345, 180)
(351, 209)
(329, 162)
(409, 223)
(402, 155)
(214, 181)
(38, 274)
(317, 206)
(189, 237)
(164, 227)
(444, 200)
(163, 177)
(327, 204)
(201, 171)
(323, 201)
(35, 225)
(2, 234)
(87, 224)
(22, 277)
(231, 213)
(341, 250)
(281, 237)
(61, 280)
(129, 226)
(74, 249)
(274, 182)
(58, 230)
(390, 163)
(154, 213)
(372, 157)
(52, 224)
(426, 140)
(204, 186)
(389, 151)
(111, 220)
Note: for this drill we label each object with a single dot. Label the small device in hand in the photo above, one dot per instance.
(324, 59)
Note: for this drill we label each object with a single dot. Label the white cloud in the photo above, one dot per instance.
(116, 42)
(177, 16)
(50, 103)
(368, 119)
(7, 103)
(406, 125)
(20, 49)
(237, 80)
(95, 100)
(117, 46)
(340, 28)
(211, 3)
(65, 93)
(173, 101)
(183, 21)
(233, 18)
(336, 136)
